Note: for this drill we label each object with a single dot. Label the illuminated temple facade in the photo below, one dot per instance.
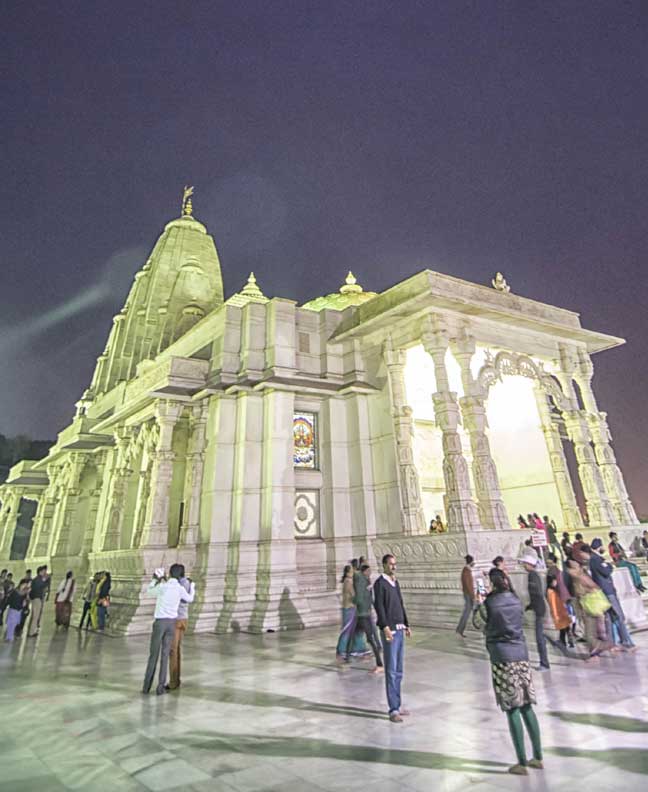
(264, 444)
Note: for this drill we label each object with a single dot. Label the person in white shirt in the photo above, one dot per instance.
(169, 594)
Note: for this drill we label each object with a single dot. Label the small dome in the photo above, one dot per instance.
(350, 293)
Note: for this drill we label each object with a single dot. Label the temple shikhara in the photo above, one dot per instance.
(264, 443)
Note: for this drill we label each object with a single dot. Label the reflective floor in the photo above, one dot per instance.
(273, 712)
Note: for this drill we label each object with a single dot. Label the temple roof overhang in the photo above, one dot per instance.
(26, 474)
(429, 290)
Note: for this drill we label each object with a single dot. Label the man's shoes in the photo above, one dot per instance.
(161, 690)
(146, 691)
(518, 769)
(537, 763)
(377, 670)
(395, 718)
(542, 668)
(404, 712)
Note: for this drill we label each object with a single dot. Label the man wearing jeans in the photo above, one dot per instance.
(38, 593)
(468, 588)
(393, 625)
(601, 573)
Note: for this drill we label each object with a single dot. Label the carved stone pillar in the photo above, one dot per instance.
(119, 472)
(194, 473)
(156, 527)
(599, 507)
(68, 505)
(462, 514)
(87, 542)
(8, 519)
(572, 518)
(43, 521)
(412, 519)
(615, 487)
(491, 509)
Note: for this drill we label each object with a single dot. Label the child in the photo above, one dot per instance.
(16, 603)
(561, 619)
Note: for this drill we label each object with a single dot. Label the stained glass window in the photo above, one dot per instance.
(305, 440)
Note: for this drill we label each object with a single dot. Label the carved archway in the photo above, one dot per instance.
(522, 365)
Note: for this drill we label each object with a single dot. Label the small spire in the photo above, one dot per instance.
(351, 285)
(187, 205)
(251, 289)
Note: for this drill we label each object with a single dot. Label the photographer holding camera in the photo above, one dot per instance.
(170, 593)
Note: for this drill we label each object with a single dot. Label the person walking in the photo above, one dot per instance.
(394, 627)
(169, 593)
(511, 670)
(552, 537)
(588, 595)
(38, 593)
(16, 600)
(537, 605)
(7, 586)
(362, 602)
(601, 573)
(175, 656)
(63, 601)
(468, 589)
(88, 597)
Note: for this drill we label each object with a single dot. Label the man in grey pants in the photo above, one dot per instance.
(169, 593)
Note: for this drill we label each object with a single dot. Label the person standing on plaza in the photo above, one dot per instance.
(362, 602)
(63, 601)
(88, 597)
(169, 594)
(468, 590)
(511, 670)
(537, 605)
(601, 573)
(38, 593)
(7, 587)
(347, 633)
(101, 601)
(394, 627)
(175, 656)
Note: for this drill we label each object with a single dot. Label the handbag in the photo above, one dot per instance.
(595, 603)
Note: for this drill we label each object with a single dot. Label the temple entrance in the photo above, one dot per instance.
(519, 450)
(24, 524)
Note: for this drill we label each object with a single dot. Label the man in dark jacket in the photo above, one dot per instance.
(601, 573)
(537, 605)
(393, 625)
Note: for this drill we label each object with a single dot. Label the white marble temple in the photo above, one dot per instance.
(272, 712)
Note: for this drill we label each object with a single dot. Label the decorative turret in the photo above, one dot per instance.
(350, 293)
(179, 284)
(249, 293)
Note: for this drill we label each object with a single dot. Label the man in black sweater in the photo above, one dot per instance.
(537, 605)
(393, 625)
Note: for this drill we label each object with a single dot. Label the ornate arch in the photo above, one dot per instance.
(511, 363)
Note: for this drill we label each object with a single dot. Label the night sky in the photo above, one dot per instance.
(464, 137)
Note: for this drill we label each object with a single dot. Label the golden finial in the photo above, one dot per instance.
(187, 206)
(351, 285)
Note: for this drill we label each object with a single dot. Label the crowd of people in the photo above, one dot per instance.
(25, 600)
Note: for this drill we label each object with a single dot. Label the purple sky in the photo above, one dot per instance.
(466, 137)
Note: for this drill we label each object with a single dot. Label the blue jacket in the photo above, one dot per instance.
(602, 574)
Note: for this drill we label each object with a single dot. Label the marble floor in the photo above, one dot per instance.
(273, 712)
